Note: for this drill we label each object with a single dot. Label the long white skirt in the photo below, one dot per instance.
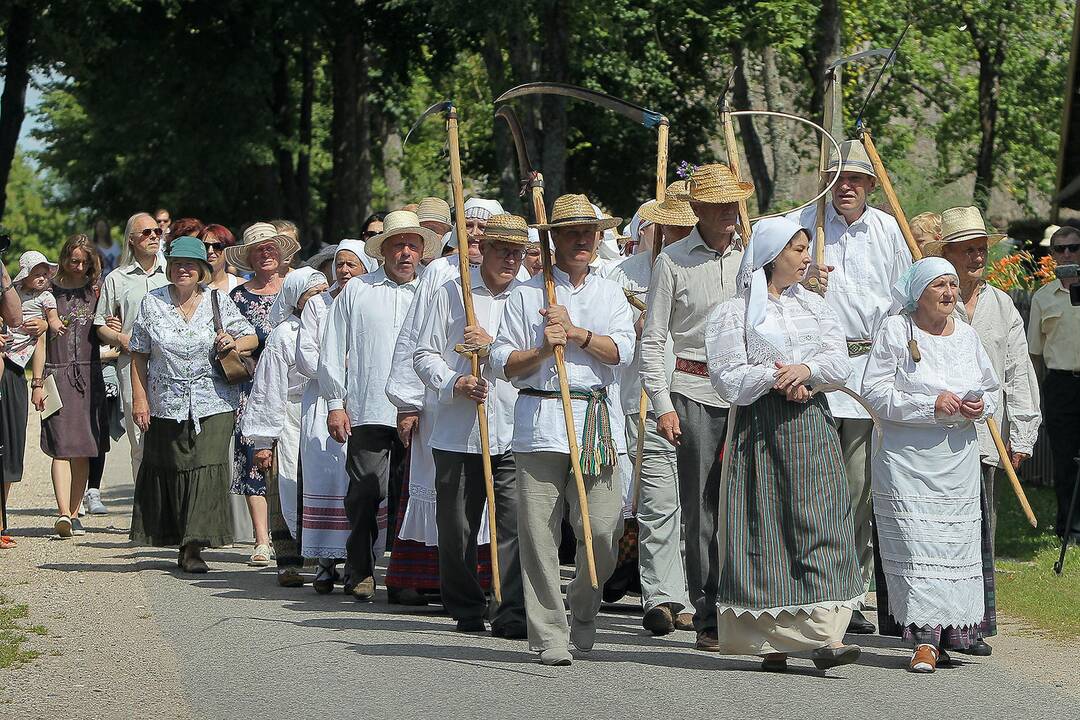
(926, 489)
(288, 451)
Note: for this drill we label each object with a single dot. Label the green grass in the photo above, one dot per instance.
(12, 635)
(1026, 584)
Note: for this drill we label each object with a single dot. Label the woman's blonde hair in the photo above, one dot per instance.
(925, 227)
(205, 273)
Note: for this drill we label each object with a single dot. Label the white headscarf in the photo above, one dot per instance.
(770, 237)
(909, 288)
(636, 225)
(475, 208)
(608, 248)
(296, 283)
(357, 248)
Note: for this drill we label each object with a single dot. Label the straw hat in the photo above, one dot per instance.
(574, 210)
(853, 158)
(403, 222)
(716, 183)
(256, 234)
(433, 209)
(30, 260)
(959, 224)
(507, 228)
(674, 210)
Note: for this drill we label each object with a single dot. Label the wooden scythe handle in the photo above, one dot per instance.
(1006, 462)
(890, 194)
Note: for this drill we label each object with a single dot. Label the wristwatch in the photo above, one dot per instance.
(36, 383)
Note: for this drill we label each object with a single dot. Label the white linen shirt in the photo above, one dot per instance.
(689, 280)
(358, 347)
(309, 334)
(868, 256)
(277, 383)
(454, 424)
(811, 336)
(597, 305)
(123, 290)
(181, 382)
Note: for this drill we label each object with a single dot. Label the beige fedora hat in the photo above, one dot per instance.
(959, 224)
(508, 228)
(853, 158)
(571, 210)
(715, 183)
(257, 234)
(433, 209)
(675, 210)
(403, 222)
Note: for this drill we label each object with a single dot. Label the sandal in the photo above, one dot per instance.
(261, 557)
(924, 659)
(7, 542)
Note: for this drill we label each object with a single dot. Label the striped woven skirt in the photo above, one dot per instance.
(790, 575)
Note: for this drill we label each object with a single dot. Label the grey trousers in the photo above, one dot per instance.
(545, 486)
(659, 516)
(461, 501)
(855, 444)
(698, 459)
(990, 474)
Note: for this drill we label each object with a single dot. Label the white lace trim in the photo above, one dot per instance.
(419, 523)
(775, 612)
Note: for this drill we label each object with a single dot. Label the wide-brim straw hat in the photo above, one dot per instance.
(403, 222)
(853, 158)
(433, 209)
(959, 224)
(715, 183)
(675, 210)
(508, 228)
(257, 234)
(575, 210)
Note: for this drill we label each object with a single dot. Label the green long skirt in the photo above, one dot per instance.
(182, 491)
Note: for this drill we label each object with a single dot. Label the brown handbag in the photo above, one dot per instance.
(236, 367)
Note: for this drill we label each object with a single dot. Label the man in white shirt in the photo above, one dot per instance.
(595, 325)
(865, 254)
(357, 349)
(455, 439)
(690, 278)
(142, 269)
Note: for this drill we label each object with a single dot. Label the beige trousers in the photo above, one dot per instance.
(855, 444)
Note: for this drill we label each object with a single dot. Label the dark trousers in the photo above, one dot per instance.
(461, 501)
(698, 459)
(371, 451)
(1061, 410)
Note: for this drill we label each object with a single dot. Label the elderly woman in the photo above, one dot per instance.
(928, 380)
(790, 575)
(186, 409)
(272, 418)
(265, 252)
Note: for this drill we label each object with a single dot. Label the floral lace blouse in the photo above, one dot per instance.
(182, 382)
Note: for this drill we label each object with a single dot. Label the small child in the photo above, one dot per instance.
(32, 282)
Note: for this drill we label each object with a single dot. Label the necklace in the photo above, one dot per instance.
(188, 307)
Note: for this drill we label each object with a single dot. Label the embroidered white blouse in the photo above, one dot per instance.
(181, 381)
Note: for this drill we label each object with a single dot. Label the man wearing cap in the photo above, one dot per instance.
(964, 242)
(689, 279)
(357, 349)
(1054, 343)
(141, 270)
(865, 254)
(595, 325)
(660, 560)
(455, 439)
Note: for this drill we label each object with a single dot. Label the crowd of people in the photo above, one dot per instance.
(759, 436)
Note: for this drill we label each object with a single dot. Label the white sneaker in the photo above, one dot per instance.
(92, 503)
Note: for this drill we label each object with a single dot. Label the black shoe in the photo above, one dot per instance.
(830, 657)
(859, 625)
(510, 631)
(406, 596)
(979, 649)
(471, 625)
(774, 662)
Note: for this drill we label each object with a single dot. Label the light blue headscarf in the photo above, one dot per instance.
(909, 288)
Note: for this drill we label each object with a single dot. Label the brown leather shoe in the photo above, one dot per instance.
(708, 641)
(364, 591)
(774, 662)
(684, 621)
(659, 620)
(924, 659)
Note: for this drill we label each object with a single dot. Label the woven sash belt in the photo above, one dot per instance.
(692, 367)
(597, 448)
(858, 348)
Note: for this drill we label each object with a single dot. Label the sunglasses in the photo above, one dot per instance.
(215, 246)
(147, 233)
(368, 234)
(1073, 248)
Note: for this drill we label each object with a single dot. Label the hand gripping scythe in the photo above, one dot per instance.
(447, 109)
(916, 254)
(534, 182)
(650, 119)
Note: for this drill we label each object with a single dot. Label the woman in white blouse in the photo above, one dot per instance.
(790, 575)
(928, 380)
(272, 419)
(186, 409)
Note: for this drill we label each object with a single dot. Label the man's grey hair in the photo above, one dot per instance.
(128, 255)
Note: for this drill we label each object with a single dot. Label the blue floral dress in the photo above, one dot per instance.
(248, 479)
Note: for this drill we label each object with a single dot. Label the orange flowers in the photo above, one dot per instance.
(1020, 271)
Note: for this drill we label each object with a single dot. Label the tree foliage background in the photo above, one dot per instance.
(235, 110)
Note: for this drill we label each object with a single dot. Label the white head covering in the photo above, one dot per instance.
(358, 248)
(296, 283)
(770, 237)
(909, 288)
(608, 248)
(636, 225)
(477, 208)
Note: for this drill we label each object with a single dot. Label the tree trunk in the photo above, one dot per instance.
(826, 49)
(303, 159)
(13, 100)
(990, 46)
(779, 136)
(284, 202)
(505, 160)
(555, 67)
(751, 143)
(348, 195)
